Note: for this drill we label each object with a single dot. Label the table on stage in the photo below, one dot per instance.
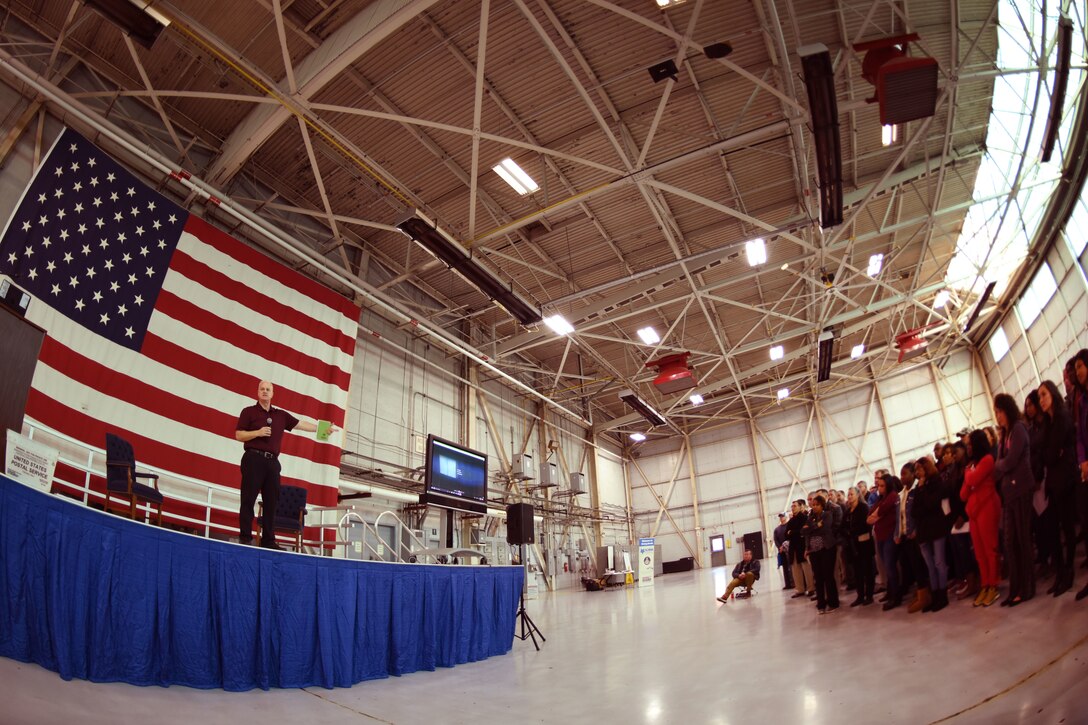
(102, 598)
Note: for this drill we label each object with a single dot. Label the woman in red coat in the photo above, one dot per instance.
(984, 512)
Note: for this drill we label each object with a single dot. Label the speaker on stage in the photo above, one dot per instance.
(519, 523)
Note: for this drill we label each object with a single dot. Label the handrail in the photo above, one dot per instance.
(167, 480)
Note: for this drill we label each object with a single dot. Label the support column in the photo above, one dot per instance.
(884, 423)
(940, 400)
(768, 539)
(694, 504)
(818, 410)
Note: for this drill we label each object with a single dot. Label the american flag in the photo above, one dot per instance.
(160, 326)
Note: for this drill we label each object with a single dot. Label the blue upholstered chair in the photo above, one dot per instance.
(121, 478)
(290, 510)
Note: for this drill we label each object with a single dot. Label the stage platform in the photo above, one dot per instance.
(98, 597)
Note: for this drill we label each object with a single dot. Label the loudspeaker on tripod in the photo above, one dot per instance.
(519, 523)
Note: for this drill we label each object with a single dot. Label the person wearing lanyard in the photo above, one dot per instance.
(261, 428)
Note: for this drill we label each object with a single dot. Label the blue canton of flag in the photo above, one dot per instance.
(93, 241)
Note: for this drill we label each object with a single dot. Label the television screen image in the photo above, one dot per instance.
(456, 477)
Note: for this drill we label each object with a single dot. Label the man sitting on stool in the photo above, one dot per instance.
(745, 573)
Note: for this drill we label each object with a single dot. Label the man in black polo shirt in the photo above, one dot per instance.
(261, 427)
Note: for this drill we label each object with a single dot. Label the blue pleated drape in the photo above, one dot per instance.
(101, 598)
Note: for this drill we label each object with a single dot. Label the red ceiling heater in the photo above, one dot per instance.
(911, 343)
(673, 373)
(906, 87)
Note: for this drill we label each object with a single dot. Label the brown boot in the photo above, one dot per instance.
(922, 601)
(972, 587)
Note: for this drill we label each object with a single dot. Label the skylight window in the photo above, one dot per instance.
(1038, 293)
(514, 175)
(999, 344)
(756, 251)
(941, 299)
(649, 335)
(1012, 186)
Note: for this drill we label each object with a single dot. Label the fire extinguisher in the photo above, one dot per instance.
(566, 567)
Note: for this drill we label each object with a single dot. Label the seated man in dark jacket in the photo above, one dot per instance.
(746, 573)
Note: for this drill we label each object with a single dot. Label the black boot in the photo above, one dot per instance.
(1063, 582)
(940, 600)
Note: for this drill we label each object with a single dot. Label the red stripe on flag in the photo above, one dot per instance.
(156, 400)
(150, 451)
(270, 267)
(263, 304)
(175, 356)
(232, 333)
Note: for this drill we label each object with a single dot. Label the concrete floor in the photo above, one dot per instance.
(671, 654)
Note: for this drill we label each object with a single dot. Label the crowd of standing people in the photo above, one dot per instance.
(1004, 502)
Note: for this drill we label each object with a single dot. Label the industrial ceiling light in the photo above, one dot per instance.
(823, 108)
(941, 300)
(889, 134)
(515, 176)
(783, 393)
(559, 324)
(649, 335)
(876, 261)
(638, 437)
(134, 17)
(857, 351)
(777, 352)
(641, 407)
(696, 399)
(663, 70)
(756, 250)
(427, 234)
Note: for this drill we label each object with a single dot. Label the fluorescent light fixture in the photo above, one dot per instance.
(757, 252)
(638, 437)
(649, 335)
(559, 324)
(826, 350)
(446, 249)
(514, 175)
(696, 399)
(941, 299)
(875, 263)
(857, 351)
(823, 109)
(640, 406)
(777, 352)
(783, 393)
(889, 134)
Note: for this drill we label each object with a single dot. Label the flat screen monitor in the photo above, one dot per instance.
(456, 477)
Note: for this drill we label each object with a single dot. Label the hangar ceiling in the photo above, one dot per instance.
(334, 119)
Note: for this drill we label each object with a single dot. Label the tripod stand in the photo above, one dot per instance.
(528, 626)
